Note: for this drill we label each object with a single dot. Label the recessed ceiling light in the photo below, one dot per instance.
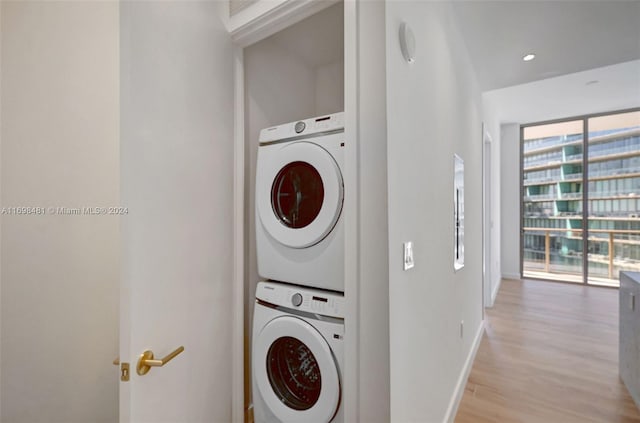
(529, 57)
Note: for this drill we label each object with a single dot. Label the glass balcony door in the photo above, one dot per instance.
(581, 193)
(552, 224)
(613, 196)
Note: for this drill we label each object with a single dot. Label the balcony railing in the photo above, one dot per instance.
(613, 172)
(547, 161)
(537, 197)
(572, 177)
(541, 178)
(530, 147)
(530, 163)
(614, 151)
(573, 157)
(594, 195)
(596, 235)
(570, 195)
(572, 213)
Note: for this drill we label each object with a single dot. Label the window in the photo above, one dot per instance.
(572, 203)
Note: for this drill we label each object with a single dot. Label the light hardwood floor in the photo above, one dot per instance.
(549, 355)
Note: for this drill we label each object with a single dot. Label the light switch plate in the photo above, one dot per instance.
(408, 255)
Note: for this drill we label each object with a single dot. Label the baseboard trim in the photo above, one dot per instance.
(494, 294)
(514, 276)
(452, 410)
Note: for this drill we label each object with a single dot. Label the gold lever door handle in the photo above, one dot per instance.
(146, 360)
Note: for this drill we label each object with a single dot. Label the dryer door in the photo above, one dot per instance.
(299, 192)
(295, 371)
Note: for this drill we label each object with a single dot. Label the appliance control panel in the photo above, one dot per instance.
(316, 301)
(312, 127)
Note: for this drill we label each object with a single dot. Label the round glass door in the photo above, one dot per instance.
(294, 373)
(297, 194)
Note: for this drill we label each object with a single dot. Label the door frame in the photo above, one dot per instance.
(237, 333)
(487, 217)
(244, 34)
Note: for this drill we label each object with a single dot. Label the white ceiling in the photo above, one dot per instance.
(566, 36)
(575, 41)
(575, 94)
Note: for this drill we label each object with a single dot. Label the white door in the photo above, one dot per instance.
(176, 184)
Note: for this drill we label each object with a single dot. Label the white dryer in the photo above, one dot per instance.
(299, 197)
(297, 354)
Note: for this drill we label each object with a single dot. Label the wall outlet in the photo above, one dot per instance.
(408, 255)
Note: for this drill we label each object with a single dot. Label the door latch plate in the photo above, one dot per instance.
(124, 372)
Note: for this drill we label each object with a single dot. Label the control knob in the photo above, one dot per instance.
(296, 300)
(300, 126)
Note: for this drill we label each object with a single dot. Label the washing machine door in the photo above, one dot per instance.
(299, 192)
(295, 371)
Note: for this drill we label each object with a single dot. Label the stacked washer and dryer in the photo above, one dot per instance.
(298, 323)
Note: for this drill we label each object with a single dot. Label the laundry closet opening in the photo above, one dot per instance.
(295, 74)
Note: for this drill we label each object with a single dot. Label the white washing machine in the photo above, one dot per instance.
(297, 354)
(299, 196)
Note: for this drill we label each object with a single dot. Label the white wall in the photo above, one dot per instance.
(510, 200)
(433, 111)
(60, 274)
(492, 126)
(329, 88)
